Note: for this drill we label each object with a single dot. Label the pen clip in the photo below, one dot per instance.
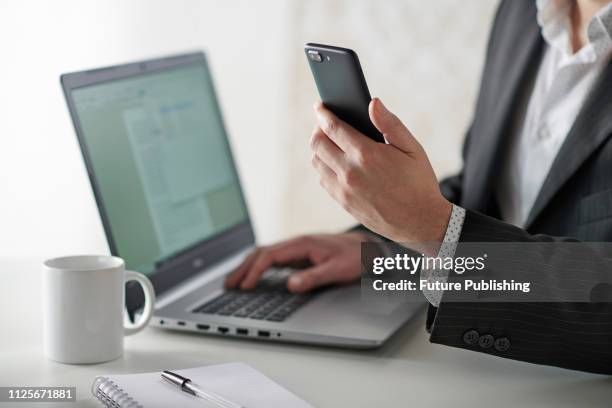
(177, 379)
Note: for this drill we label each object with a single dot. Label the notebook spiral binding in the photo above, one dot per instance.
(111, 395)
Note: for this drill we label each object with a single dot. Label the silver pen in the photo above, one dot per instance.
(189, 387)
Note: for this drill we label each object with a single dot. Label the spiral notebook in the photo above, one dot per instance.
(236, 382)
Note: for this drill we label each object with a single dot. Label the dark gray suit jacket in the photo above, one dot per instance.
(575, 203)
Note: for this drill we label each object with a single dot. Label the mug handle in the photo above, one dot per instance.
(149, 294)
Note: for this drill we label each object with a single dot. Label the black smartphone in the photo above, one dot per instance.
(342, 86)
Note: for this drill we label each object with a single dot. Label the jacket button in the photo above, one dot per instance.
(486, 341)
(502, 344)
(471, 337)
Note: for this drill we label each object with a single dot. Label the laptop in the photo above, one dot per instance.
(171, 203)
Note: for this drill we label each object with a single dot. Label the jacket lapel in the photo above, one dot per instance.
(590, 129)
(508, 76)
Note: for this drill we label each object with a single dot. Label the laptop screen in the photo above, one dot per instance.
(160, 155)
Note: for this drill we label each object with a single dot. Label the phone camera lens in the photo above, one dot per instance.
(315, 56)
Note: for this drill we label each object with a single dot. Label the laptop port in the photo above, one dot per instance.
(222, 330)
(242, 332)
(263, 333)
(202, 326)
(180, 323)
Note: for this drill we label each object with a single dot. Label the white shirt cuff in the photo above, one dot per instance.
(447, 249)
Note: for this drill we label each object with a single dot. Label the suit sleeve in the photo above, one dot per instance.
(570, 335)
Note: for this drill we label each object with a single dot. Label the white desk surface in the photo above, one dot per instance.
(407, 371)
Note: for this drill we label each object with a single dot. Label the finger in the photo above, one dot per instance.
(325, 172)
(311, 278)
(326, 150)
(391, 127)
(236, 276)
(327, 178)
(341, 133)
(290, 251)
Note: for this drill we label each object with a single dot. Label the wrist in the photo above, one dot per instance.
(432, 224)
(437, 222)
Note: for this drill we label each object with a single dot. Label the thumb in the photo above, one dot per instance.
(391, 127)
(311, 278)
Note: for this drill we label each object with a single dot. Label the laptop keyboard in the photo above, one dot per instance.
(270, 301)
(275, 306)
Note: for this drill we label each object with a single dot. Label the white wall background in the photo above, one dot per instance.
(423, 59)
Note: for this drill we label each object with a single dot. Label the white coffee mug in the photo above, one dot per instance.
(83, 308)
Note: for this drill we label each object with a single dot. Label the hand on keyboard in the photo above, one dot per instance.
(332, 259)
